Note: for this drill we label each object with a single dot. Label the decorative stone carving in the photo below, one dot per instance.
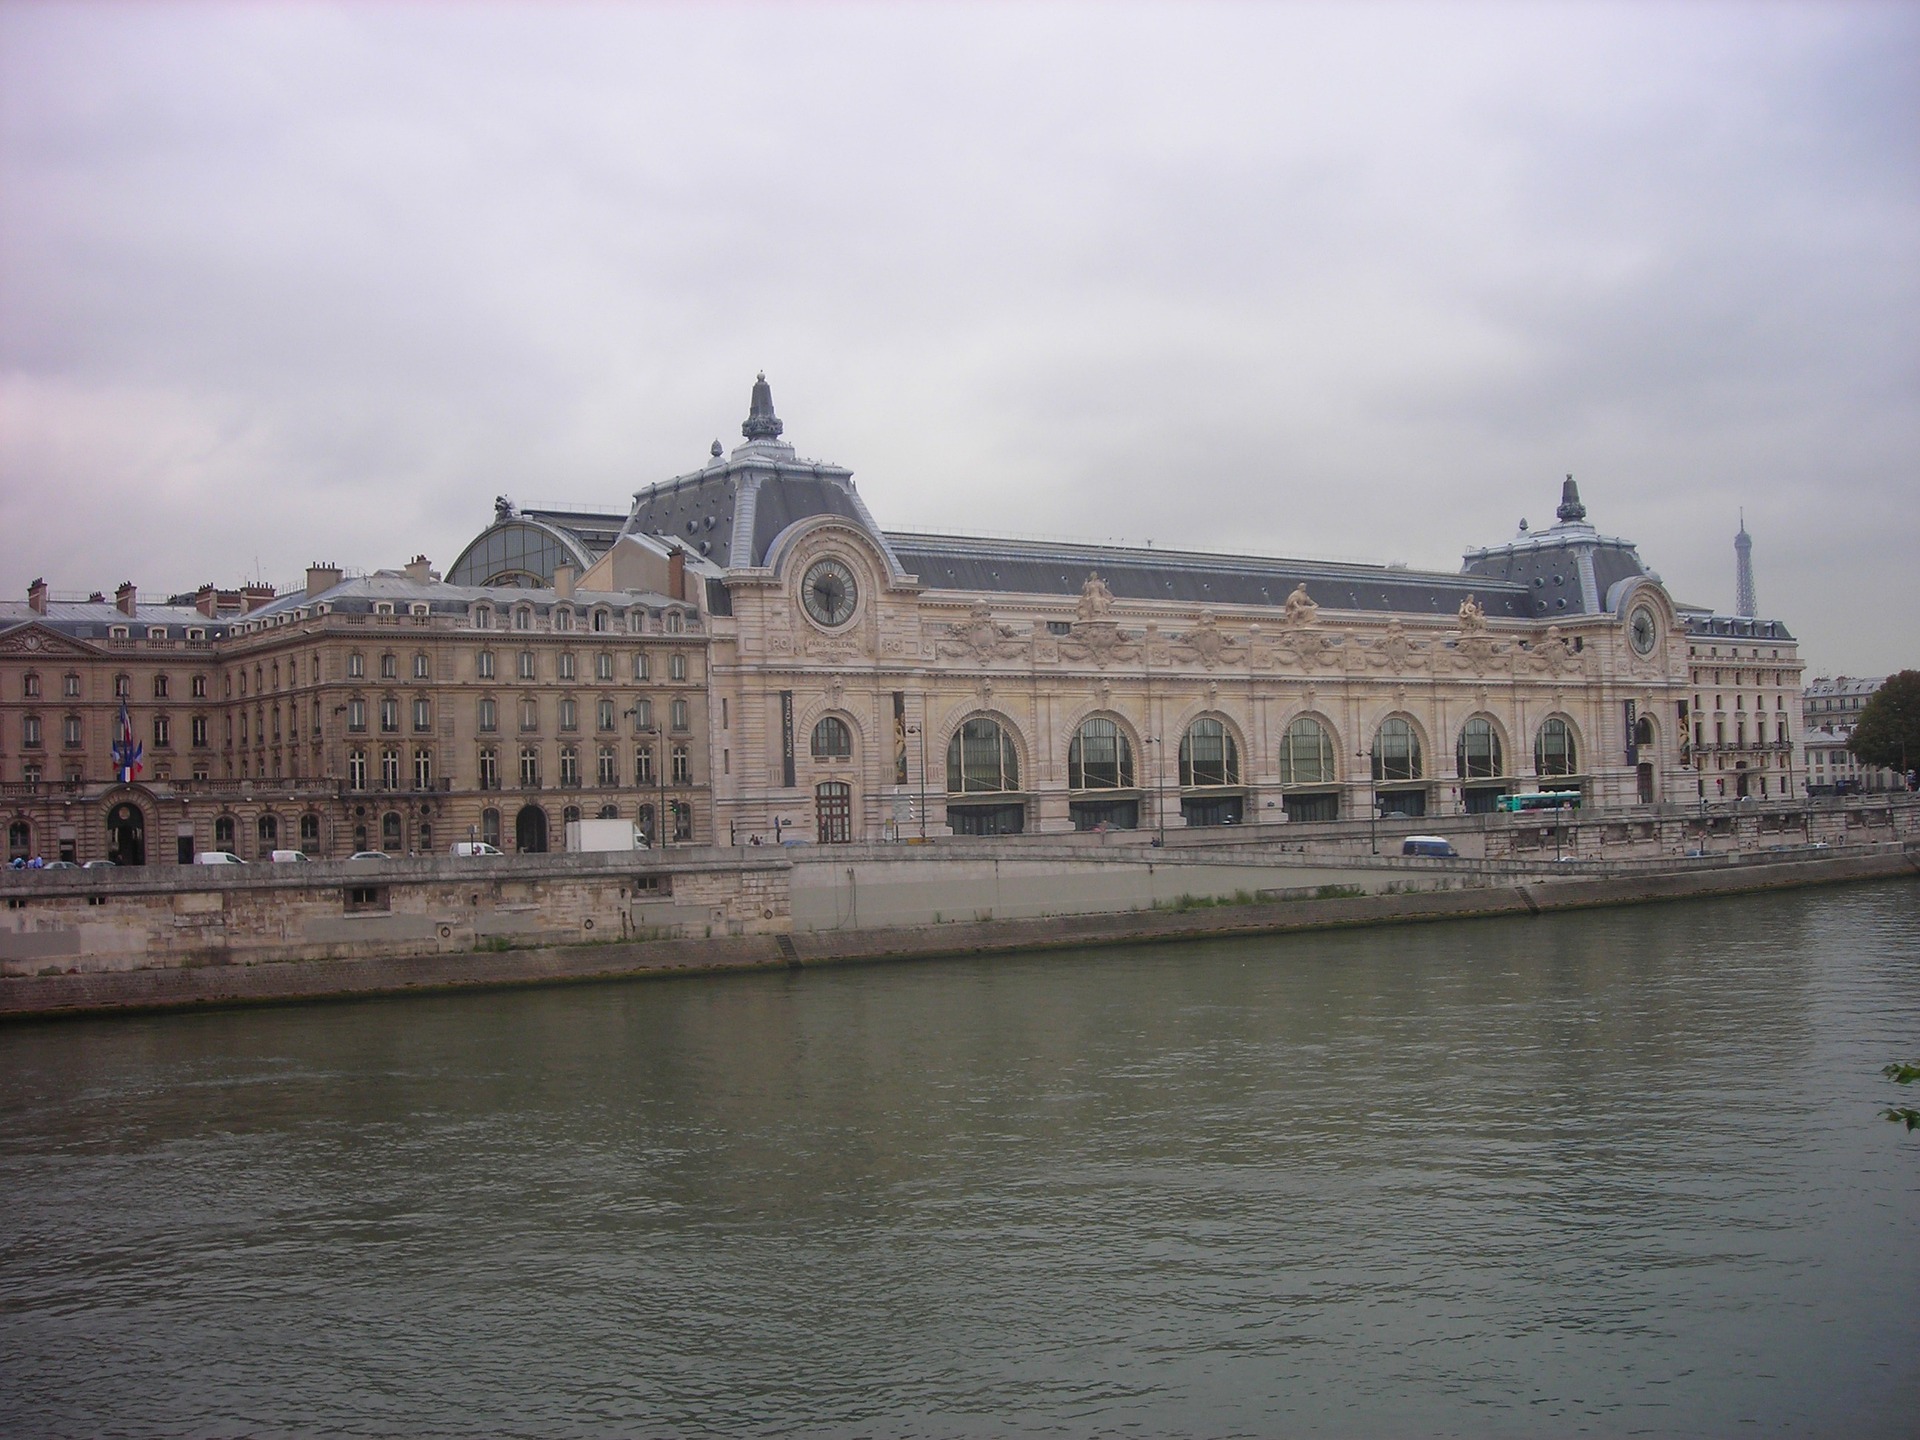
(1473, 617)
(1304, 649)
(980, 638)
(1209, 644)
(1554, 655)
(1300, 607)
(1099, 641)
(1394, 650)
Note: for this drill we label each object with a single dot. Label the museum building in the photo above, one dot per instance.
(746, 654)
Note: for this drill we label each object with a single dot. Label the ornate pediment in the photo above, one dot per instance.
(37, 640)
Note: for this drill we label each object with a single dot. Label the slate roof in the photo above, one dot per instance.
(947, 562)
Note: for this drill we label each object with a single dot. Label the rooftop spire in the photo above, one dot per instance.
(1746, 603)
(762, 423)
(1571, 510)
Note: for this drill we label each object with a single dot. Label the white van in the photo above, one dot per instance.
(217, 857)
(292, 857)
(476, 847)
(1429, 845)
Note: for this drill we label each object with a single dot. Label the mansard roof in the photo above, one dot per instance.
(96, 619)
(1026, 567)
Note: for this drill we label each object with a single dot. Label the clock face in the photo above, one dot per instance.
(829, 592)
(1640, 628)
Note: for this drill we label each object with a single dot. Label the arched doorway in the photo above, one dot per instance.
(1742, 781)
(127, 835)
(833, 812)
(530, 830)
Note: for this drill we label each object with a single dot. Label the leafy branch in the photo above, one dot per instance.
(1902, 1114)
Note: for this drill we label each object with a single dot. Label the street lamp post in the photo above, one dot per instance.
(1373, 799)
(921, 731)
(654, 734)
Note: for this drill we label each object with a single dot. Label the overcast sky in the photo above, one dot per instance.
(280, 284)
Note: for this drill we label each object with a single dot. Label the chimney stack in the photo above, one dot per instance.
(418, 569)
(123, 598)
(321, 578)
(565, 577)
(677, 572)
(37, 597)
(252, 597)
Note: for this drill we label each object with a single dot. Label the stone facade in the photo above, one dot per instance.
(392, 712)
(205, 915)
(808, 673)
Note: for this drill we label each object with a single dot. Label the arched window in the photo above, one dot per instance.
(269, 828)
(1643, 732)
(1478, 755)
(1100, 757)
(390, 832)
(1553, 752)
(309, 831)
(1396, 751)
(1306, 753)
(19, 840)
(981, 759)
(223, 833)
(832, 740)
(490, 827)
(1208, 755)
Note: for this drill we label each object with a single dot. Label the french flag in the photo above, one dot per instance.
(126, 750)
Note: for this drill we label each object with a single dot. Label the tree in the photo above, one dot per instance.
(1888, 731)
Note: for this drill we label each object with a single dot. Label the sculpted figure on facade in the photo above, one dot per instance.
(1473, 617)
(1300, 607)
(1096, 600)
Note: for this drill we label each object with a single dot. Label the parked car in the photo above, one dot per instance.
(367, 855)
(100, 865)
(291, 857)
(476, 847)
(1429, 845)
(217, 857)
(60, 865)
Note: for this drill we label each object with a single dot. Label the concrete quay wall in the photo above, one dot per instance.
(193, 917)
(51, 994)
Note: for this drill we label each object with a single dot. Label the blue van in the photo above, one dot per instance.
(1429, 845)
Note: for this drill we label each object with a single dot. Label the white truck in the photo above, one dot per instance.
(604, 835)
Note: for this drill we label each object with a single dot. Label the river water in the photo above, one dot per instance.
(1612, 1173)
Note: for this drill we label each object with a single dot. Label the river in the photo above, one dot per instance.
(1611, 1173)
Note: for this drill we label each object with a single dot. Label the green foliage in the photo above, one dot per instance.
(1338, 892)
(1181, 903)
(1902, 1114)
(1888, 731)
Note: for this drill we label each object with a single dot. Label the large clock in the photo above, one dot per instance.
(1640, 629)
(829, 592)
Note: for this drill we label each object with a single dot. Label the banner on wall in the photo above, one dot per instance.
(786, 738)
(1633, 750)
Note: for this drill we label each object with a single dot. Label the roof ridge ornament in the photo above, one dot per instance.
(761, 422)
(1571, 510)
